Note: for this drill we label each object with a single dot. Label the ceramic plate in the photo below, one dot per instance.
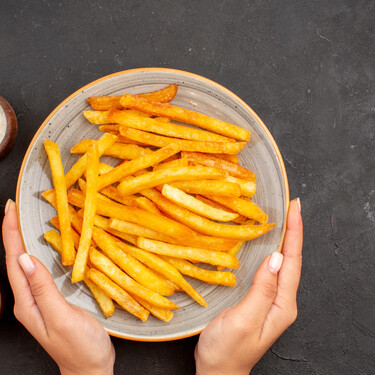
(66, 126)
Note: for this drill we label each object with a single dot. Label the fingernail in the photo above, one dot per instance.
(275, 262)
(299, 203)
(27, 264)
(9, 201)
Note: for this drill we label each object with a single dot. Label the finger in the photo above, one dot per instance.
(13, 249)
(25, 308)
(290, 272)
(256, 304)
(48, 298)
(284, 309)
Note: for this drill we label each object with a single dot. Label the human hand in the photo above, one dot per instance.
(238, 337)
(72, 337)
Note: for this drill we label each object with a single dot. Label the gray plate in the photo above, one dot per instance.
(66, 126)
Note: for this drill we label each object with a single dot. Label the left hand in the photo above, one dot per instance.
(72, 337)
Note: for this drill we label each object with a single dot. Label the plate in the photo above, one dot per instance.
(66, 126)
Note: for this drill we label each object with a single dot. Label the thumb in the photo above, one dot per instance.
(258, 301)
(48, 298)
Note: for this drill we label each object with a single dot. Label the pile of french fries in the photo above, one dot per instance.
(177, 197)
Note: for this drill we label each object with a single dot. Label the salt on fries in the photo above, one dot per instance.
(178, 197)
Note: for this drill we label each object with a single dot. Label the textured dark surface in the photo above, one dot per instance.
(306, 67)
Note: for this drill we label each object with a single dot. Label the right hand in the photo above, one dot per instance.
(238, 337)
(72, 337)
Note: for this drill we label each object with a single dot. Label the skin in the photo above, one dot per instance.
(231, 344)
(62, 329)
(237, 338)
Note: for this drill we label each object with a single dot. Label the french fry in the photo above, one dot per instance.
(210, 277)
(102, 103)
(203, 225)
(210, 161)
(110, 128)
(132, 201)
(164, 119)
(105, 265)
(96, 117)
(82, 186)
(55, 222)
(171, 158)
(58, 178)
(128, 168)
(146, 204)
(248, 188)
(156, 263)
(192, 239)
(115, 129)
(117, 150)
(75, 219)
(53, 238)
(216, 258)
(118, 294)
(136, 230)
(78, 169)
(104, 302)
(205, 242)
(151, 179)
(243, 206)
(158, 312)
(123, 140)
(233, 158)
(185, 145)
(164, 95)
(129, 264)
(126, 151)
(186, 116)
(99, 117)
(114, 195)
(103, 223)
(190, 203)
(235, 249)
(216, 187)
(88, 216)
(150, 220)
(239, 220)
(104, 168)
(164, 128)
(177, 163)
(177, 289)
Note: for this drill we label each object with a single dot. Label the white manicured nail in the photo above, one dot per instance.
(9, 201)
(275, 262)
(27, 264)
(299, 203)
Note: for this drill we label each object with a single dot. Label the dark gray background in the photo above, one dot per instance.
(306, 67)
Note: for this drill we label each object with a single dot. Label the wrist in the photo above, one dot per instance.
(223, 373)
(202, 370)
(65, 371)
